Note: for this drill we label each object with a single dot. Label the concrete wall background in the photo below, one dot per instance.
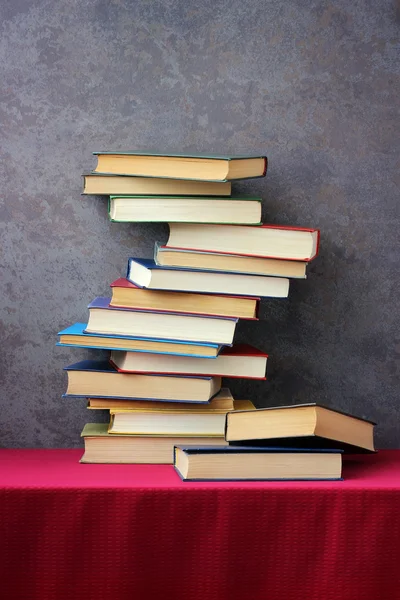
(314, 85)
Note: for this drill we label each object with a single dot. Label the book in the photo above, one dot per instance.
(221, 403)
(206, 463)
(98, 378)
(101, 184)
(74, 336)
(103, 447)
(145, 273)
(181, 166)
(303, 425)
(267, 241)
(213, 261)
(180, 209)
(127, 295)
(240, 360)
(173, 326)
(171, 422)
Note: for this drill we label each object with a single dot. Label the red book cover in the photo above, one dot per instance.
(235, 350)
(122, 282)
(242, 350)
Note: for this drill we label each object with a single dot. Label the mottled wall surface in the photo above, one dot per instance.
(311, 84)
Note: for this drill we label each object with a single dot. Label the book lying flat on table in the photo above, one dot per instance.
(174, 326)
(178, 422)
(145, 273)
(243, 210)
(268, 241)
(97, 378)
(126, 294)
(165, 256)
(180, 166)
(221, 403)
(204, 463)
(302, 425)
(103, 447)
(102, 184)
(74, 336)
(240, 360)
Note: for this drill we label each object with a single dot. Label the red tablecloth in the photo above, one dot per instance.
(126, 532)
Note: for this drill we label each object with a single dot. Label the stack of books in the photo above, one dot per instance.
(297, 442)
(169, 325)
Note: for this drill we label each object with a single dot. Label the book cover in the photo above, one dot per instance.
(238, 350)
(305, 404)
(151, 265)
(125, 283)
(227, 158)
(78, 329)
(102, 302)
(104, 366)
(234, 199)
(262, 226)
(191, 449)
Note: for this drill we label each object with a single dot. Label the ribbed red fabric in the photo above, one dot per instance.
(70, 531)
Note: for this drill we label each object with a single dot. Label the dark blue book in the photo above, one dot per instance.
(145, 273)
(177, 327)
(76, 337)
(100, 379)
(252, 463)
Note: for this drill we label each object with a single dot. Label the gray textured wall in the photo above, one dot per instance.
(312, 84)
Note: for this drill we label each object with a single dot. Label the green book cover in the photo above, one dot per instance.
(227, 157)
(95, 429)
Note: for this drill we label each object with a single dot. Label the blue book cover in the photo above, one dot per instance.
(177, 347)
(104, 366)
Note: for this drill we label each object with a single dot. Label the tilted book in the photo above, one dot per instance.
(265, 241)
(107, 319)
(75, 336)
(126, 294)
(181, 166)
(145, 273)
(99, 379)
(240, 360)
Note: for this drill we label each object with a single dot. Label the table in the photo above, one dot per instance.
(71, 531)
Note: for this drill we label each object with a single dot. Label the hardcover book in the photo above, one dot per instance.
(99, 379)
(221, 403)
(213, 261)
(128, 295)
(267, 241)
(75, 336)
(193, 422)
(103, 447)
(180, 209)
(145, 273)
(240, 360)
(107, 319)
(103, 184)
(206, 463)
(301, 425)
(181, 166)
